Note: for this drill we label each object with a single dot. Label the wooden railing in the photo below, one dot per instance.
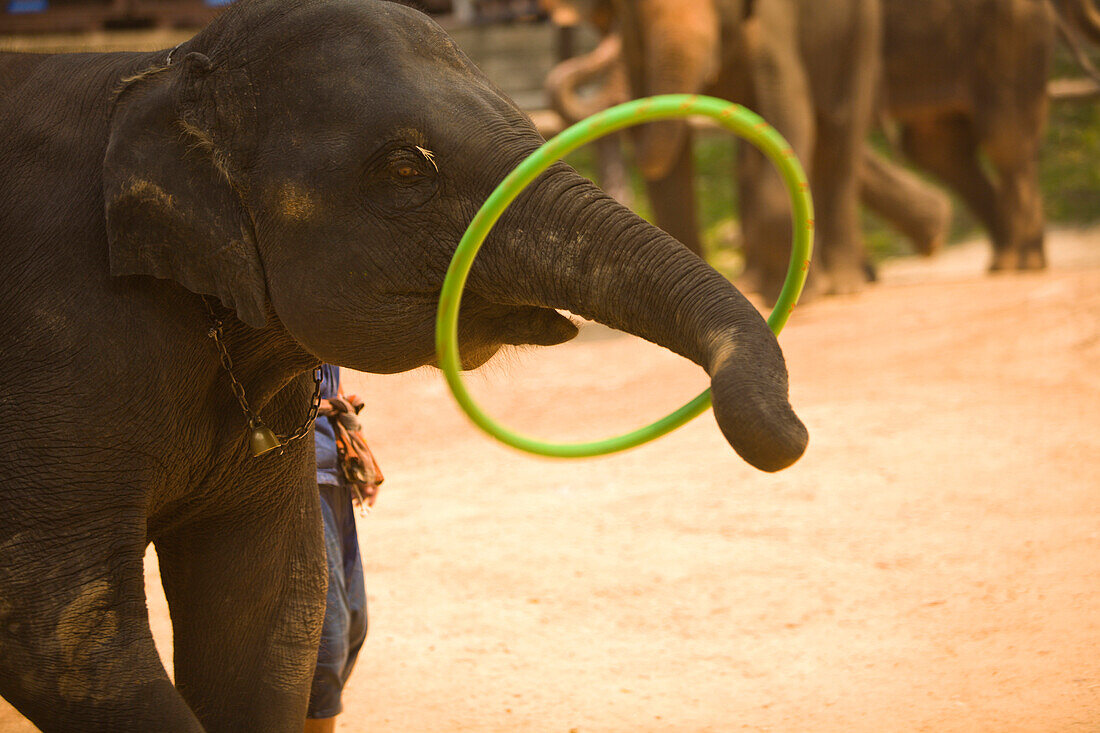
(78, 16)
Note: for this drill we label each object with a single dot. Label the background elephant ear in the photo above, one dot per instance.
(171, 184)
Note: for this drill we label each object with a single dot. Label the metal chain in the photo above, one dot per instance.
(314, 406)
(215, 333)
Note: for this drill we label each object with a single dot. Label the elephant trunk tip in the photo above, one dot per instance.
(758, 421)
(783, 445)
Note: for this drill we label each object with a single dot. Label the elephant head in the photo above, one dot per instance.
(314, 164)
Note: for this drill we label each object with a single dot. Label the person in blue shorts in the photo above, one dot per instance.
(345, 624)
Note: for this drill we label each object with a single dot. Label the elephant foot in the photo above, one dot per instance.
(849, 280)
(1029, 259)
(929, 235)
(768, 285)
(870, 271)
(815, 288)
(818, 283)
(1033, 259)
(1004, 261)
(930, 247)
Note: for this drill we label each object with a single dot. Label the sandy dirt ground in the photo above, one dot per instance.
(932, 563)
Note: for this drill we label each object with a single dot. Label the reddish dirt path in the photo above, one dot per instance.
(932, 564)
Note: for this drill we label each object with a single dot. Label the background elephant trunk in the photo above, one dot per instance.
(682, 58)
(564, 81)
(597, 259)
(1087, 17)
(1079, 17)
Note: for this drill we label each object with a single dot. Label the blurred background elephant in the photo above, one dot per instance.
(1083, 16)
(778, 57)
(971, 113)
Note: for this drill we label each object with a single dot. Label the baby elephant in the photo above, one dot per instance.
(293, 180)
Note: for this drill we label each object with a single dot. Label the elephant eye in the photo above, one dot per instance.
(406, 166)
(401, 179)
(406, 171)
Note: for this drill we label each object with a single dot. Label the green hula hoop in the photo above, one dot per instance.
(733, 117)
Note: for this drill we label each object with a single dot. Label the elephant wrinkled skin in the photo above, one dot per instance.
(308, 167)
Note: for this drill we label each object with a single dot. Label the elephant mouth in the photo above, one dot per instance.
(482, 334)
(535, 326)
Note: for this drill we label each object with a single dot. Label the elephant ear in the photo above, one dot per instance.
(173, 187)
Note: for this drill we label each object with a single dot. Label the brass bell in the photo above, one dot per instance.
(262, 440)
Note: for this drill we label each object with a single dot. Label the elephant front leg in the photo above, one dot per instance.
(835, 181)
(76, 651)
(246, 594)
(781, 94)
(1015, 155)
(766, 229)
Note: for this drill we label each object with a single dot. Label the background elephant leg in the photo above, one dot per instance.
(918, 210)
(781, 94)
(247, 598)
(673, 200)
(76, 651)
(1016, 159)
(948, 148)
(611, 169)
(835, 186)
(766, 228)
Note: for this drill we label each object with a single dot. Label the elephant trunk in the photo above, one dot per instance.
(565, 80)
(1088, 19)
(1083, 18)
(676, 47)
(600, 261)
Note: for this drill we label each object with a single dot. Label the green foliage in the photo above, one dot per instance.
(1069, 172)
(1070, 168)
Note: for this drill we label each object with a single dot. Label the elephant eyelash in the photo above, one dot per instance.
(430, 156)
